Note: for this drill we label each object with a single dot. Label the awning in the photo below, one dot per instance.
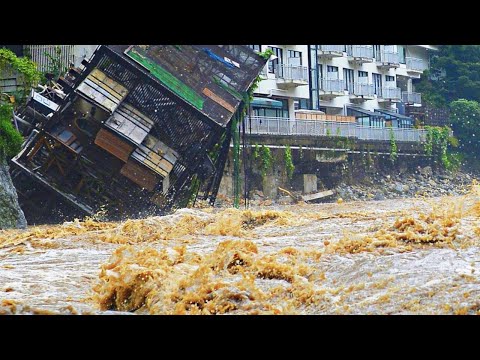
(362, 111)
(393, 114)
(269, 103)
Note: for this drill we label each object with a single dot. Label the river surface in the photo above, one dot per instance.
(408, 256)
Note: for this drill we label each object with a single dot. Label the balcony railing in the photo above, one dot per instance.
(332, 85)
(416, 64)
(411, 97)
(389, 57)
(363, 89)
(331, 48)
(360, 51)
(292, 72)
(391, 93)
(64, 53)
(282, 126)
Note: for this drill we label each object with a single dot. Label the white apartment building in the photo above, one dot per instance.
(373, 83)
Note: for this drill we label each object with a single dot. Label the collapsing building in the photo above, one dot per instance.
(140, 128)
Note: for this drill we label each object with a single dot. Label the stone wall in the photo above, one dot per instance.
(11, 215)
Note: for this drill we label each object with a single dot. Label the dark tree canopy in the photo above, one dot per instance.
(454, 81)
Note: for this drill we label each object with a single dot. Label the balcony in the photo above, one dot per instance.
(288, 127)
(416, 66)
(331, 88)
(360, 54)
(330, 51)
(289, 76)
(411, 98)
(362, 92)
(388, 59)
(392, 94)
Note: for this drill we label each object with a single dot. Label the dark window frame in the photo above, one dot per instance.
(273, 64)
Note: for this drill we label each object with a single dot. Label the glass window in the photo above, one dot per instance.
(273, 64)
(255, 47)
(377, 84)
(362, 74)
(294, 57)
(332, 68)
(401, 53)
(389, 78)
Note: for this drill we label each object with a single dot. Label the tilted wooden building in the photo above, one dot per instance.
(141, 127)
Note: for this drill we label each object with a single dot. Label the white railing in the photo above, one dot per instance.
(332, 48)
(411, 97)
(282, 126)
(291, 72)
(363, 51)
(333, 85)
(416, 64)
(37, 53)
(392, 93)
(389, 57)
(363, 89)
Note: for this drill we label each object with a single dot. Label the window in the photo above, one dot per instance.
(294, 58)
(272, 112)
(302, 104)
(377, 54)
(332, 72)
(362, 74)
(255, 47)
(348, 80)
(389, 78)
(273, 64)
(377, 84)
(401, 53)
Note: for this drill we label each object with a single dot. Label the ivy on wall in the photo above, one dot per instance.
(289, 166)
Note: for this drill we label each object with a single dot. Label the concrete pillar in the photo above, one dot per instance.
(291, 109)
(226, 186)
(409, 85)
(270, 186)
(309, 183)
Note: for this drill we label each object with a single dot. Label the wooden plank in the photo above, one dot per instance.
(113, 144)
(140, 175)
(159, 147)
(103, 90)
(218, 99)
(318, 195)
(107, 83)
(131, 123)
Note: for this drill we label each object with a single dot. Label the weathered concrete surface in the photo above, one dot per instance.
(11, 215)
(309, 183)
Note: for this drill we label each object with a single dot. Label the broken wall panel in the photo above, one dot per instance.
(114, 145)
(102, 90)
(140, 175)
(130, 122)
(160, 159)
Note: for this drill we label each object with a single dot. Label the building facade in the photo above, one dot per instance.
(373, 84)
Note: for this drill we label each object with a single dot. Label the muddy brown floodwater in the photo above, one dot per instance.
(408, 256)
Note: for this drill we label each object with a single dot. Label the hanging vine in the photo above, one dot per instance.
(267, 160)
(9, 63)
(437, 141)
(393, 146)
(289, 166)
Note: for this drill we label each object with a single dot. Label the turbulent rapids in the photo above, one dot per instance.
(415, 256)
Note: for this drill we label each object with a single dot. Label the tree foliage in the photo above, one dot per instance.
(10, 138)
(454, 81)
(465, 117)
(454, 74)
